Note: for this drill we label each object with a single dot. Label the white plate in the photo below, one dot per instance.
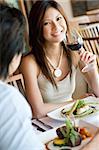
(51, 134)
(56, 114)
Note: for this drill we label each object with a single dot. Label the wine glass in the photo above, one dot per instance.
(75, 41)
(74, 44)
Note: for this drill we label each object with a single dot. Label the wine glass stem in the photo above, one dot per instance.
(88, 67)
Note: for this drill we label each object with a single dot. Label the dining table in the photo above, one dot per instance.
(45, 124)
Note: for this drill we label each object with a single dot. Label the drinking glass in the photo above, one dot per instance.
(74, 44)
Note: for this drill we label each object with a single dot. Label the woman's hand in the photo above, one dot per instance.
(88, 65)
(87, 95)
(89, 60)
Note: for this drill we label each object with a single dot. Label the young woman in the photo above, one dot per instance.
(49, 70)
(16, 131)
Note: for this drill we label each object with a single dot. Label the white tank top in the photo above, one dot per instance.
(64, 92)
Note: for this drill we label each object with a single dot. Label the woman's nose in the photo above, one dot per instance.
(55, 26)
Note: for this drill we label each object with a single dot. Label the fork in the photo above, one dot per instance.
(38, 127)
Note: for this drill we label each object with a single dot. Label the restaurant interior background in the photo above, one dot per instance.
(78, 12)
(72, 8)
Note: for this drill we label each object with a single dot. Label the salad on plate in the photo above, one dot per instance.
(69, 136)
(80, 108)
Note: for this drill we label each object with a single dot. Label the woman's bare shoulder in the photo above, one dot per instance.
(28, 59)
(28, 63)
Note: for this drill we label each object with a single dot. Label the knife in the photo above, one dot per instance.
(38, 128)
(46, 125)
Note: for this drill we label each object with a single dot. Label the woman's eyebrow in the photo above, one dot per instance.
(48, 19)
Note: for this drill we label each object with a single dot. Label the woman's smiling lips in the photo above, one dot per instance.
(57, 33)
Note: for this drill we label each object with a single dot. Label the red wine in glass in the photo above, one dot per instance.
(75, 45)
(76, 41)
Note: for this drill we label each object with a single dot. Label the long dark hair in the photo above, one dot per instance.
(36, 39)
(12, 26)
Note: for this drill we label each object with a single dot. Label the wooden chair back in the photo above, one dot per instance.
(92, 45)
(89, 31)
(90, 35)
(18, 82)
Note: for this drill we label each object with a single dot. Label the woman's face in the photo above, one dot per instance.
(54, 26)
(14, 64)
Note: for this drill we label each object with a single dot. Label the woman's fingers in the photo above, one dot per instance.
(87, 57)
(92, 59)
(90, 94)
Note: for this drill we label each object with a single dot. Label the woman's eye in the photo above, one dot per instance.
(59, 18)
(46, 23)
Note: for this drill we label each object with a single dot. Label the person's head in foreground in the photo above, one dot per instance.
(12, 24)
(16, 131)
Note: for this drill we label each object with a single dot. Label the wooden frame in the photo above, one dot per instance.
(90, 35)
(18, 82)
(92, 45)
